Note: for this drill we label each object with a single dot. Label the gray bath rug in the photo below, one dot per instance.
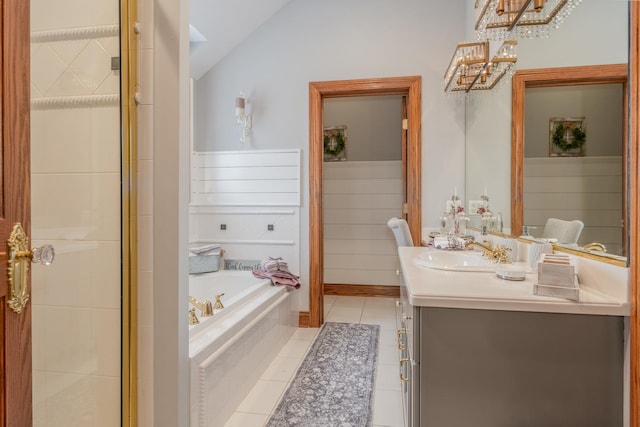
(334, 384)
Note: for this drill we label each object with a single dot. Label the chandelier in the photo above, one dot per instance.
(471, 69)
(530, 18)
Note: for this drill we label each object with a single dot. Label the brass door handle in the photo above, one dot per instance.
(402, 345)
(402, 377)
(18, 265)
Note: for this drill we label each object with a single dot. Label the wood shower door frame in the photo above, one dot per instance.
(411, 87)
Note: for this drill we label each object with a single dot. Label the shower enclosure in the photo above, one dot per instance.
(81, 204)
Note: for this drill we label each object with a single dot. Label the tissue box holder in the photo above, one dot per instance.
(207, 263)
(557, 278)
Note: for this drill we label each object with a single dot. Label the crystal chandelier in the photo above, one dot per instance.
(530, 18)
(470, 68)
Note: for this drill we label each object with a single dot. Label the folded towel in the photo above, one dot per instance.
(448, 242)
(204, 248)
(278, 271)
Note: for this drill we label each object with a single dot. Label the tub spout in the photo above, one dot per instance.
(205, 307)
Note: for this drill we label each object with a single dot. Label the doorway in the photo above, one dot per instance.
(318, 92)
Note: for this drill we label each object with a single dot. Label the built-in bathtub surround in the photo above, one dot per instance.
(75, 184)
(230, 350)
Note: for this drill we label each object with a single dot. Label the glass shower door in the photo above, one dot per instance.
(76, 206)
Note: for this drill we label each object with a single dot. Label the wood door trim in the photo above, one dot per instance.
(352, 290)
(318, 91)
(634, 210)
(16, 206)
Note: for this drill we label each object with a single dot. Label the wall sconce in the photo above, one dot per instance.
(242, 118)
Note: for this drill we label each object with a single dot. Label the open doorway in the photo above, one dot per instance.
(363, 186)
(318, 92)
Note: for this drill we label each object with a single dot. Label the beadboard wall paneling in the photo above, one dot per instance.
(359, 199)
(248, 202)
(246, 178)
(247, 234)
(585, 188)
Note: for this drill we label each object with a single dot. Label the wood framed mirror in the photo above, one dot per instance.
(555, 77)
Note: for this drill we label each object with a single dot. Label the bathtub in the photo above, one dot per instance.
(229, 351)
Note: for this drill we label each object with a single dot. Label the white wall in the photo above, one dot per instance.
(333, 40)
(595, 33)
(374, 125)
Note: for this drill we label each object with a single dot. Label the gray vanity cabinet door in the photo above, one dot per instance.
(487, 368)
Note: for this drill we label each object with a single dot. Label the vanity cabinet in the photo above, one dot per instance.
(473, 357)
(409, 347)
(491, 368)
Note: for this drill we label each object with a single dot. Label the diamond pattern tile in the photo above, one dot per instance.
(74, 67)
(46, 68)
(69, 50)
(92, 65)
(68, 85)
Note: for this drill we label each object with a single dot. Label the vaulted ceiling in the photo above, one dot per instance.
(223, 24)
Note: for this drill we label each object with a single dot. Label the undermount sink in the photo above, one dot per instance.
(455, 261)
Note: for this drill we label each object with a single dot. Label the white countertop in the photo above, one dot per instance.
(429, 287)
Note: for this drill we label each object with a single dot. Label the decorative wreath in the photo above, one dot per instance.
(559, 140)
(338, 147)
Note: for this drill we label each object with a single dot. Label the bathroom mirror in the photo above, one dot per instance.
(561, 173)
(596, 33)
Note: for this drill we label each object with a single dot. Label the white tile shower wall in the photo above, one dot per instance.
(76, 207)
(145, 214)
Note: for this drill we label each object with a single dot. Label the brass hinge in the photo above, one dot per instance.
(405, 124)
(405, 208)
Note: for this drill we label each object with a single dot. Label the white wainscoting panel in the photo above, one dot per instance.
(247, 235)
(248, 202)
(246, 178)
(359, 199)
(585, 188)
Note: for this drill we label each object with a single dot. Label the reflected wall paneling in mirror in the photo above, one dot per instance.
(553, 77)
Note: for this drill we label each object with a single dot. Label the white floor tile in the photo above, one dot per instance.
(281, 369)
(388, 354)
(305, 334)
(388, 337)
(386, 322)
(387, 408)
(388, 377)
(344, 314)
(295, 349)
(263, 397)
(342, 301)
(240, 419)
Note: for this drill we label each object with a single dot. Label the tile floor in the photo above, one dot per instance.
(254, 411)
